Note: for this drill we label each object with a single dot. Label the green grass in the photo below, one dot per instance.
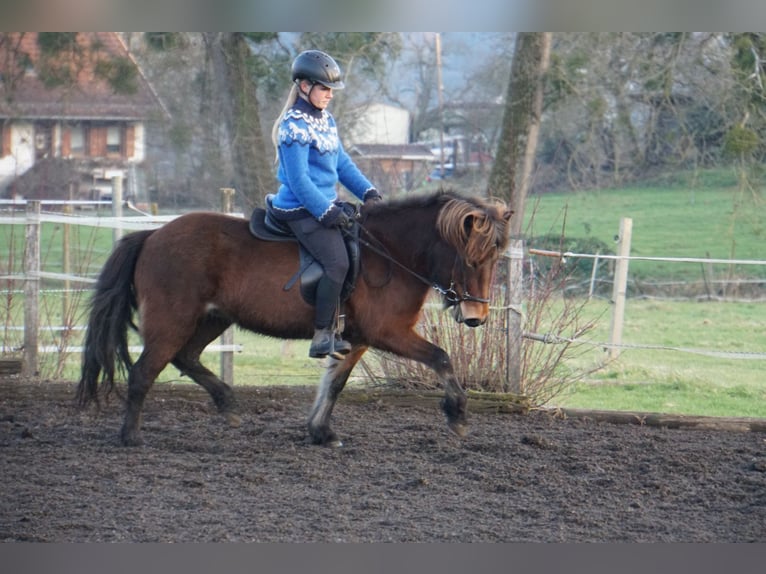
(661, 379)
(708, 216)
(679, 397)
(89, 248)
(721, 223)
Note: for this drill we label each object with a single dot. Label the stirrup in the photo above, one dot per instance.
(340, 347)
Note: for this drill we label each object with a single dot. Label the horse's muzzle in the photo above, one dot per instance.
(471, 320)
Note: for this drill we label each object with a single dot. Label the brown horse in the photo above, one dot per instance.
(202, 272)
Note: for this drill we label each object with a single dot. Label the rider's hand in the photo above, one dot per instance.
(343, 221)
(372, 196)
(337, 217)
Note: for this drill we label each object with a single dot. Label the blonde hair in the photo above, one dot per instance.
(291, 97)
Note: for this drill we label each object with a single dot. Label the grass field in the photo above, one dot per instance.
(701, 358)
(720, 223)
(684, 220)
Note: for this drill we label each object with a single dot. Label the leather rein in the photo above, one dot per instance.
(451, 296)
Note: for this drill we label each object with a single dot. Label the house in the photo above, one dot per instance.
(379, 124)
(73, 113)
(394, 167)
(379, 143)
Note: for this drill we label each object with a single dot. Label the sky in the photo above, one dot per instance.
(391, 15)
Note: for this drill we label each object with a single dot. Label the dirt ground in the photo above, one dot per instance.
(401, 476)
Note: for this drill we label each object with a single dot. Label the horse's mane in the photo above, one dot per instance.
(473, 225)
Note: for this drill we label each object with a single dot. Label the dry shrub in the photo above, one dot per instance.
(551, 324)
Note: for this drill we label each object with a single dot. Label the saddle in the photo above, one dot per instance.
(267, 228)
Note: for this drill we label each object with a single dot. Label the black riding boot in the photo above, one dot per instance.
(322, 344)
(326, 341)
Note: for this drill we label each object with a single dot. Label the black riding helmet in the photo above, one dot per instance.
(318, 68)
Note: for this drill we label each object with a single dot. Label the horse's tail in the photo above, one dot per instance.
(111, 312)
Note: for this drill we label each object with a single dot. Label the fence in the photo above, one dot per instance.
(619, 291)
(513, 322)
(32, 273)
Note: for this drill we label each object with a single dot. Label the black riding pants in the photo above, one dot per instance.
(326, 245)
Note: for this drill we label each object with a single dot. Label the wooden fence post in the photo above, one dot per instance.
(227, 338)
(513, 328)
(620, 286)
(30, 367)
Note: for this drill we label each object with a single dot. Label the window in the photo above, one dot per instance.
(107, 140)
(113, 140)
(77, 140)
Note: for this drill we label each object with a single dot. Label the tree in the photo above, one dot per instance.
(232, 70)
(521, 123)
(625, 106)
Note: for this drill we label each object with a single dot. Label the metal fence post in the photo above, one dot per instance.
(117, 206)
(30, 366)
(227, 338)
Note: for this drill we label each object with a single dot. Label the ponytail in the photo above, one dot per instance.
(291, 97)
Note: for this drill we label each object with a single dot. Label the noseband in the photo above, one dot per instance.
(451, 296)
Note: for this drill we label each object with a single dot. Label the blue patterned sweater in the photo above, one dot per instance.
(311, 162)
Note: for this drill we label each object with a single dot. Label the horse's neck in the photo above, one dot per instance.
(406, 237)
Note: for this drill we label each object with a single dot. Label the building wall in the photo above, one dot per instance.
(380, 124)
(139, 148)
(22, 152)
(20, 156)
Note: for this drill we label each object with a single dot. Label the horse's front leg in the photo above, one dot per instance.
(455, 400)
(333, 380)
(412, 346)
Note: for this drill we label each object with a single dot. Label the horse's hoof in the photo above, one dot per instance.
(234, 420)
(131, 441)
(459, 429)
(326, 438)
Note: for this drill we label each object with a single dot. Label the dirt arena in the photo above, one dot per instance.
(401, 477)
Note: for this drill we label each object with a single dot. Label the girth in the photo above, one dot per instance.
(267, 228)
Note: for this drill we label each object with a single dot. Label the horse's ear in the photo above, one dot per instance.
(468, 221)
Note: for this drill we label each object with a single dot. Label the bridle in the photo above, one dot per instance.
(450, 294)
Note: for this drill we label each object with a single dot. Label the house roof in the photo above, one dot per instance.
(85, 93)
(393, 151)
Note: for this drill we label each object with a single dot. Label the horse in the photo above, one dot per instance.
(189, 280)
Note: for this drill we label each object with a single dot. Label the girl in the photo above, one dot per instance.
(311, 161)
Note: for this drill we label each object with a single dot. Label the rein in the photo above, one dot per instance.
(450, 295)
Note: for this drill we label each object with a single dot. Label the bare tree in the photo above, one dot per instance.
(623, 106)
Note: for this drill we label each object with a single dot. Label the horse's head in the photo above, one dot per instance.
(478, 231)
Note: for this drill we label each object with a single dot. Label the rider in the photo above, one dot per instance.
(311, 162)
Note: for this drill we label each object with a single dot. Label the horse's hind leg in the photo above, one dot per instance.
(332, 383)
(187, 360)
(140, 380)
